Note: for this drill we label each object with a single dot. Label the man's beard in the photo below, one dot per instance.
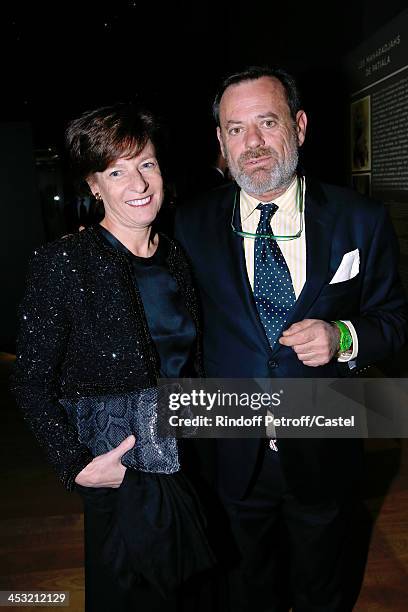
(264, 180)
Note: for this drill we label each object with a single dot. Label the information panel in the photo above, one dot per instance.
(378, 75)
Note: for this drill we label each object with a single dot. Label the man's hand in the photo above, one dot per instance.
(315, 342)
(106, 470)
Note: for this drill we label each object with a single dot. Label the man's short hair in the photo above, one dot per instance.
(256, 72)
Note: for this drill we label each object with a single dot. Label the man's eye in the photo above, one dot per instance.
(269, 123)
(233, 131)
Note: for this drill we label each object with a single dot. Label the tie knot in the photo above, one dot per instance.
(267, 212)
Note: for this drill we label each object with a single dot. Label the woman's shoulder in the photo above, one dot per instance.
(55, 261)
(177, 259)
(64, 247)
(171, 245)
(175, 253)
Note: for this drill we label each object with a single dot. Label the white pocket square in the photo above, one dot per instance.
(348, 269)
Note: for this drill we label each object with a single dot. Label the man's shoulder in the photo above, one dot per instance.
(344, 199)
(206, 199)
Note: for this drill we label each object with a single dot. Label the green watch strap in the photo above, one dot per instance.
(346, 339)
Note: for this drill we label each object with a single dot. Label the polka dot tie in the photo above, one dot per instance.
(273, 289)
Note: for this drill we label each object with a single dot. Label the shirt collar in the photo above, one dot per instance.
(286, 202)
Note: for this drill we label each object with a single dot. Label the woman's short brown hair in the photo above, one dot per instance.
(101, 136)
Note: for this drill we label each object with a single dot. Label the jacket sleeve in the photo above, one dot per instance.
(181, 270)
(381, 326)
(44, 327)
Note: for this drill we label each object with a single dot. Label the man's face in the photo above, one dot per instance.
(258, 136)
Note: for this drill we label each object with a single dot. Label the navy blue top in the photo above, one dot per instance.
(171, 325)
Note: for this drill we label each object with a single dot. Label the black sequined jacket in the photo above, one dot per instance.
(83, 332)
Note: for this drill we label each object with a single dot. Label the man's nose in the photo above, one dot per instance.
(138, 182)
(254, 137)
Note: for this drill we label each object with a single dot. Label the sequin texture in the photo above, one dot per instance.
(83, 334)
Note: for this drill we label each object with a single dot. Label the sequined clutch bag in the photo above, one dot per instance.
(103, 422)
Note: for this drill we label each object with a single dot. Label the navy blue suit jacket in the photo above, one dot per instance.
(337, 221)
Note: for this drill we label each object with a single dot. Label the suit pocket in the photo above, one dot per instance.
(342, 288)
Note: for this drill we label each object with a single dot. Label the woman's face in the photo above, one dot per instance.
(131, 189)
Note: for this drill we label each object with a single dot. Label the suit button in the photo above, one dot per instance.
(272, 364)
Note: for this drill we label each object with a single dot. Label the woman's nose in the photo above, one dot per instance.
(139, 182)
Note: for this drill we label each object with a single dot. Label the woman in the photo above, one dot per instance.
(107, 311)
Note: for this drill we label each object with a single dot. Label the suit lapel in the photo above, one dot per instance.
(319, 222)
(233, 253)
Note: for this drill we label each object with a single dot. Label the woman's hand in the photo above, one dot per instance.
(106, 470)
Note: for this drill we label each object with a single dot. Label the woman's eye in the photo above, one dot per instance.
(148, 165)
(114, 173)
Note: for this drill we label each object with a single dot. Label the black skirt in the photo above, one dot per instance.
(145, 546)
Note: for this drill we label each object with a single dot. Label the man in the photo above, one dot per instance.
(297, 279)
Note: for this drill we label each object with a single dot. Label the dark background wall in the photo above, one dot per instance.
(70, 56)
(21, 220)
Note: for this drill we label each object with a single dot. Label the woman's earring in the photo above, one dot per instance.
(97, 196)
